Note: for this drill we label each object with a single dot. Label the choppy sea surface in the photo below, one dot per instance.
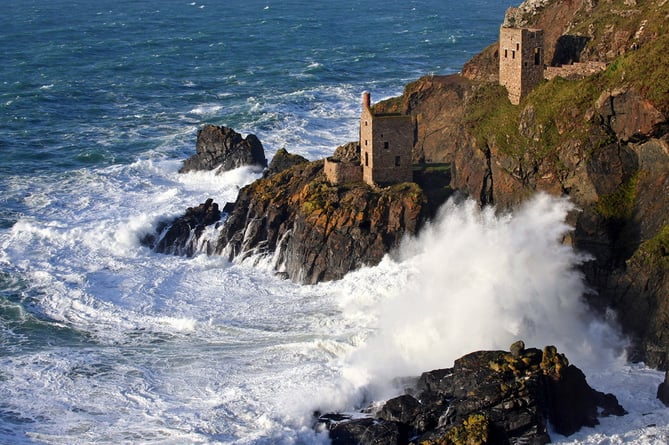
(103, 341)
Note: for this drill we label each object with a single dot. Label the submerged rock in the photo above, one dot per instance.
(225, 149)
(488, 397)
(181, 235)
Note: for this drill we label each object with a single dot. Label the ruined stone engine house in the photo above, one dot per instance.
(521, 60)
(386, 144)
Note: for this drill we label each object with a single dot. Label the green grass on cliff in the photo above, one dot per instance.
(646, 69)
(655, 251)
(619, 204)
(493, 119)
(561, 111)
(562, 107)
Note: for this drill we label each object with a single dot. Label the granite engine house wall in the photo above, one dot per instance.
(521, 60)
(340, 172)
(386, 144)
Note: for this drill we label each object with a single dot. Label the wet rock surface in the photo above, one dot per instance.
(487, 397)
(181, 236)
(222, 148)
(315, 231)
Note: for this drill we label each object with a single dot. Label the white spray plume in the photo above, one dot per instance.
(482, 281)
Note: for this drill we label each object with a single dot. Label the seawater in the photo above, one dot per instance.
(103, 341)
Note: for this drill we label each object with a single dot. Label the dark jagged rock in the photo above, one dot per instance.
(283, 160)
(490, 397)
(315, 231)
(663, 390)
(181, 235)
(225, 149)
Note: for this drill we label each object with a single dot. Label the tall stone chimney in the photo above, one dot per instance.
(366, 100)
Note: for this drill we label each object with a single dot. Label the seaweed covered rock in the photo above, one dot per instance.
(487, 397)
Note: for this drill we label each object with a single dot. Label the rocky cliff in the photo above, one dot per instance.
(314, 231)
(602, 140)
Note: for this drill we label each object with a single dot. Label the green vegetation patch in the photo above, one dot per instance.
(318, 195)
(646, 69)
(473, 430)
(655, 251)
(619, 204)
(493, 119)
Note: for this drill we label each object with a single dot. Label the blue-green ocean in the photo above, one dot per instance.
(104, 341)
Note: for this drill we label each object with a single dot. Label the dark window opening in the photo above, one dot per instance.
(397, 161)
(517, 46)
(506, 53)
(385, 145)
(537, 56)
(366, 159)
(513, 54)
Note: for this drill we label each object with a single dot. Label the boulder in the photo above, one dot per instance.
(283, 160)
(628, 115)
(223, 148)
(663, 390)
(349, 152)
(492, 397)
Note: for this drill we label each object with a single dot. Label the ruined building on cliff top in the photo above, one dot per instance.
(386, 144)
(521, 60)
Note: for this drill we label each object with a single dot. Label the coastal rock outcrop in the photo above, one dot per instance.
(182, 235)
(223, 148)
(313, 231)
(602, 140)
(283, 160)
(491, 397)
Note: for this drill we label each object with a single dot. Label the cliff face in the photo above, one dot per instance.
(317, 232)
(602, 140)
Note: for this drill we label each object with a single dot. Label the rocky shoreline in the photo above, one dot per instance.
(601, 140)
(496, 397)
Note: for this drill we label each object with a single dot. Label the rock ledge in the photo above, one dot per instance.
(488, 397)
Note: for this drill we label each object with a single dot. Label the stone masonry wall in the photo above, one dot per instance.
(521, 63)
(386, 144)
(338, 172)
(392, 143)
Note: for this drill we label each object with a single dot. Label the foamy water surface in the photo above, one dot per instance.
(103, 341)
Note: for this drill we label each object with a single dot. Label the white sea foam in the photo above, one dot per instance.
(206, 109)
(476, 280)
(203, 351)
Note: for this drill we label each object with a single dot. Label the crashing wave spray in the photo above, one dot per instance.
(479, 280)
